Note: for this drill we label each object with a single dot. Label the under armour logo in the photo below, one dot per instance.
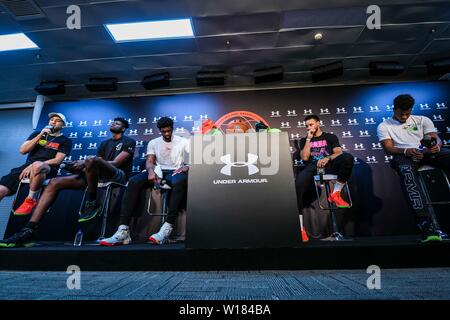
(388, 158)
(110, 121)
(187, 118)
(92, 146)
(340, 110)
(389, 107)
(142, 120)
(446, 142)
(73, 135)
(136, 168)
(295, 136)
(83, 157)
(291, 149)
(97, 122)
(301, 124)
(148, 132)
(371, 159)
(440, 105)
(69, 124)
(298, 162)
(370, 121)
(291, 113)
(376, 146)
(88, 134)
(438, 117)
(359, 146)
(144, 155)
(346, 134)
(102, 134)
(77, 146)
(83, 124)
(274, 114)
(355, 160)
(374, 109)
(133, 132)
(69, 158)
(344, 147)
(357, 110)
(155, 119)
(364, 133)
(285, 125)
(203, 117)
(424, 106)
(336, 123)
(179, 130)
(448, 129)
(250, 164)
(352, 122)
(324, 111)
(307, 111)
(195, 129)
(139, 144)
(174, 118)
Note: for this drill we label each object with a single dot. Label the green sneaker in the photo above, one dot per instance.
(89, 211)
(23, 238)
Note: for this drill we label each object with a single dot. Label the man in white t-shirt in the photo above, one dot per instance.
(401, 137)
(170, 153)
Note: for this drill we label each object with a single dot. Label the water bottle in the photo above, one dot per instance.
(78, 238)
(321, 172)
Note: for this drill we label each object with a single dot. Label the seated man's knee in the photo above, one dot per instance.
(347, 157)
(90, 162)
(37, 166)
(54, 184)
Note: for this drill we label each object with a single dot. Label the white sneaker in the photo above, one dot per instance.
(122, 236)
(163, 234)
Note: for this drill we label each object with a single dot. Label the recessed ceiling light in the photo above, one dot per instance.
(16, 41)
(151, 30)
(318, 36)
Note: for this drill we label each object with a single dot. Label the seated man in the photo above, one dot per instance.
(401, 137)
(321, 150)
(46, 150)
(112, 163)
(169, 152)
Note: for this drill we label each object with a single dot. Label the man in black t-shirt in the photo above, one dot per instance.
(321, 150)
(46, 149)
(113, 162)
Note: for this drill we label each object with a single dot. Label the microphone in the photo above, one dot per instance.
(52, 129)
(428, 141)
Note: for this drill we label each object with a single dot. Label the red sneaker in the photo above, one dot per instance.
(336, 198)
(26, 207)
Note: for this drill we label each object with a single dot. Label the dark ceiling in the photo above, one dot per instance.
(235, 35)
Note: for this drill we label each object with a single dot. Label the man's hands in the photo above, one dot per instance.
(152, 177)
(45, 131)
(179, 170)
(26, 173)
(414, 154)
(432, 150)
(323, 162)
(77, 165)
(310, 134)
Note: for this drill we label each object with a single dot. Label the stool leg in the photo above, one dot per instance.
(430, 208)
(336, 235)
(105, 209)
(15, 197)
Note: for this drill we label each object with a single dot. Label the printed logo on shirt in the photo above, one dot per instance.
(119, 146)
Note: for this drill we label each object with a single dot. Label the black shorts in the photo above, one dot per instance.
(11, 180)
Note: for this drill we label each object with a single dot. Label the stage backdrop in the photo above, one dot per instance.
(350, 112)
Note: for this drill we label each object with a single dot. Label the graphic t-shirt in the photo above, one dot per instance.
(169, 155)
(321, 146)
(48, 147)
(110, 149)
(405, 135)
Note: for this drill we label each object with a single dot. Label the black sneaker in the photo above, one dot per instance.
(23, 238)
(429, 234)
(89, 211)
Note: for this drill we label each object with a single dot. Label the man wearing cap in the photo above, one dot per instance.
(46, 150)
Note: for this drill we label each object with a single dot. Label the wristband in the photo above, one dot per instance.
(308, 139)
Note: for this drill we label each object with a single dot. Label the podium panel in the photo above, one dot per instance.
(241, 192)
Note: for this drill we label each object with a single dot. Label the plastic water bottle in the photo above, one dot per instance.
(78, 238)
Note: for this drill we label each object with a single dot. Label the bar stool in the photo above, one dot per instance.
(108, 187)
(422, 170)
(164, 190)
(26, 181)
(322, 180)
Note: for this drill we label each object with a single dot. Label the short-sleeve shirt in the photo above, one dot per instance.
(321, 146)
(405, 135)
(169, 155)
(110, 149)
(48, 147)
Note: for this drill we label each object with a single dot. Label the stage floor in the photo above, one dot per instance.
(386, 252)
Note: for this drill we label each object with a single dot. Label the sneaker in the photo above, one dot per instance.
(429, 234)
(163, 234)
(122, 236)
(26, 207)
(336, 198)
(89, 211)
(23, 238)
